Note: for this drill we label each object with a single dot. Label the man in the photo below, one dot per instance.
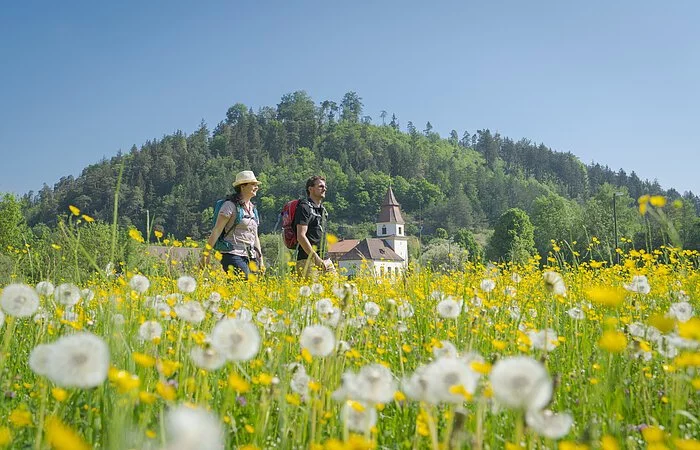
(310, 221)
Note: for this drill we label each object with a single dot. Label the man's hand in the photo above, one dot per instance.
(328, 265)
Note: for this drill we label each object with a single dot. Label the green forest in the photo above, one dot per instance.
(458, 188)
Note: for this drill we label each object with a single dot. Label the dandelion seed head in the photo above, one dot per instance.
(19, 300)
(237, 340)
(186, 284)
(193, 428)
(78, 360)
(318, 340)
(139, 283)
(150, 330)
(44, 288)
(521, 383)
(191, 312)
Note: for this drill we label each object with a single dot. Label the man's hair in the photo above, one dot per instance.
(312, 181)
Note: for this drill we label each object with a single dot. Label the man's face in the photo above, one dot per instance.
(318, 190)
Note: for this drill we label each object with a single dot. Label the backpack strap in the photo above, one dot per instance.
(235, 222)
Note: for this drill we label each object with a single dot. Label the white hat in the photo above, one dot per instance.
(245, 177)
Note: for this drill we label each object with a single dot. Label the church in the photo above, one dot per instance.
(385, 255)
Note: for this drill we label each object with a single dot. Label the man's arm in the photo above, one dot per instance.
(306, 245)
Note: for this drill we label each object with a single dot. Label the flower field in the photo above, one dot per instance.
(585, 357)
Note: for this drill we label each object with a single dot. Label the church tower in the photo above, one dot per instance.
(390, 226)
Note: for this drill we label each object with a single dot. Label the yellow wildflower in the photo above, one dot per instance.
(166, 391)
(20, 417)
(238, 384)
(59, 394)
(608, 296)
(62, 437)
(136, 235)
(74, 210)
(5, 436)
(609, 443)
(653, 434)
(143, 360)
(613, 341)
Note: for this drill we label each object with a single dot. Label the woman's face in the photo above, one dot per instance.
(250, 189)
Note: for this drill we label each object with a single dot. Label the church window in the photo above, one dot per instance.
(383, 229)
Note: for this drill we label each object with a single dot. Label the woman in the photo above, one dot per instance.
(238, 220)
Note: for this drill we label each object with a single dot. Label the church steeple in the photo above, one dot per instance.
(391, 210)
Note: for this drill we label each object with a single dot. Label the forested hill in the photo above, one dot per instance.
(463, 181)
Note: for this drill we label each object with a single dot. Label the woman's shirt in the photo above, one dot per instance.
(244, 233)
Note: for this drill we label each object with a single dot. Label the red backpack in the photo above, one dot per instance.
(289, 232)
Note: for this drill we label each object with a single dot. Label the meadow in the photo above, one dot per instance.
(583, 356)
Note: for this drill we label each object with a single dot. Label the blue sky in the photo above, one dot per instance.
(612, 82)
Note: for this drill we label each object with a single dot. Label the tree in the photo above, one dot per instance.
(513, 237)
(351, 107)
(382, 115)
(12, 224)
(394, 122)
(465, 239)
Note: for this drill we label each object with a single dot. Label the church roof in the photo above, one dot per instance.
(373, 249)
(391, 210)
(343, 246)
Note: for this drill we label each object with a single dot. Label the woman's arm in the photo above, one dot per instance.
(219, 227)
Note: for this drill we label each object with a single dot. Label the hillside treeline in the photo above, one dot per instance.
(462, 183)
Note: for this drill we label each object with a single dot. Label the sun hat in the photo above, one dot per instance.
(245, 177)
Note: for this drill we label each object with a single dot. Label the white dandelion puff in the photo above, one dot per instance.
(87, 294)
(554, 283)
(549, 424)
(139, 283)
(543, 339)
(358, 417)
(266, 316)
(324, 306)
(305, 291)
(214, 297)
(639, 284)
(318, 340)
(450, 373)
(150, 330)
(162, 310)
(681, 311)
(317, 288)
(404, 310)
(372, 309)
(207, 358)
(39, 359)
(237, 340)
(375, 384)
(516, 277)
(448, 308)
(331, 319)
(521, 383)
(193, 428)
(576, 313)
(186, 284)
(78, 360)
(67, 294)
(243, 314)
(191, 312)
(70, 316)
(419, 386)
(19, 300)
(487, 285)
(44, 288)
(446, 350)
